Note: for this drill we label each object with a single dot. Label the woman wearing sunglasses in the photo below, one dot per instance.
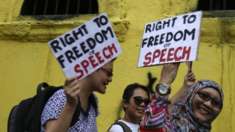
(134, 100)
(194, 107)
(75, 108)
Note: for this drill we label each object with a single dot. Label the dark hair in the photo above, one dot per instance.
(129, 90)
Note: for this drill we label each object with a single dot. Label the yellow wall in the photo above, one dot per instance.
(25, 59)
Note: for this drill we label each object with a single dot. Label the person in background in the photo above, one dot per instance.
(76, 97)
(134, 100)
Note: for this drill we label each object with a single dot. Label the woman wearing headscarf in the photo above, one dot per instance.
(193, 109)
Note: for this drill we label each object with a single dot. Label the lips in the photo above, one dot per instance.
(105, 83)
(204, 110)
(140, 110)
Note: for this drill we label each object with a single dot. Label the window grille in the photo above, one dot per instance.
(59, 7)
(213, 5)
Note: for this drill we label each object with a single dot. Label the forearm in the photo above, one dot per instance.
(179, 94)
(61, 124)
(168, 75)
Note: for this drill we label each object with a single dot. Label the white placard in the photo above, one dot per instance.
(171, 40)
(86, 48)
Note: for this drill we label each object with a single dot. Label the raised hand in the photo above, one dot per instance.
(189, 79)
(72, 90)
(169, 72)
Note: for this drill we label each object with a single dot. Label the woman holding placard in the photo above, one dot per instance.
(76, 97)
(194, 107)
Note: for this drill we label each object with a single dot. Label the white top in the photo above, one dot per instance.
(118, 128)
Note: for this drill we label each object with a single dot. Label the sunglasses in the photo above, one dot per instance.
(107, 72)
(206, 97)
(139, 100)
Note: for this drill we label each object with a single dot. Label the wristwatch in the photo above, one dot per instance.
(163, 89)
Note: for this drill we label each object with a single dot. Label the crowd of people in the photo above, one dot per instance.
(147, 108)
(193, 108)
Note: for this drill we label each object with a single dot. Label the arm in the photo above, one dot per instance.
(168, 74)
(62, 124)
(189, 80)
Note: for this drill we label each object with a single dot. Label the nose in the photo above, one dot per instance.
(209, 104)
(142, 104)
(110, 79)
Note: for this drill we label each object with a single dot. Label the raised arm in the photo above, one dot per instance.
(180, 95)
(189, 80)
(62, 124)
(168, 75)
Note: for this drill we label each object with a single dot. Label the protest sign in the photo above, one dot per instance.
(171, 40)
(86, 48)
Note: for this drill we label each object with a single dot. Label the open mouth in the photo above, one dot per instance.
(204, 110)
(105, 84)
(140, 110)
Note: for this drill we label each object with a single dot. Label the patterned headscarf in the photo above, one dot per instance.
(183, 118)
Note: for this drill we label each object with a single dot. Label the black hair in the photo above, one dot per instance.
(129, 90)
(151, 81)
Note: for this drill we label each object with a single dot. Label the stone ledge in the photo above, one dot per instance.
(43, 31)
(218, 30)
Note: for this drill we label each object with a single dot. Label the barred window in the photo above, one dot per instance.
(212, 5)
(59, 7)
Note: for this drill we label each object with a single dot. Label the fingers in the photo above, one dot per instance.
(171, 65)
(190, 76)
(70, 81)
(72, 90)
(189, 65)
(189, 79)
(169, 72)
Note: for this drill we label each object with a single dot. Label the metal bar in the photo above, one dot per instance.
(56, 6)
(224, 7)
(45, 7)
(89, 6)
(211, 4)
(67, 7)
(35, 7)
(78, 7)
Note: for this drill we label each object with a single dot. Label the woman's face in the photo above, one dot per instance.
(102, 77)
(134, 109)
(206, 105)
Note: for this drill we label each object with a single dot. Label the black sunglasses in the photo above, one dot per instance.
(206, 97)
(139, 100)
(107, 72)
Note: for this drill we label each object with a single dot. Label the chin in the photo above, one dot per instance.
(102, 91)
(140, 115)
(139, 118)
(201, 118)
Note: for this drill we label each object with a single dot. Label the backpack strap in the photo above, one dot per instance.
(123, 125)
(49, 90)
(76, 115)
(33, 118)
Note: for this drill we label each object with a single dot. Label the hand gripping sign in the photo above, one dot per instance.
(171, 40)
(86, 48)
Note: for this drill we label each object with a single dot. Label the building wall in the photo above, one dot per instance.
(25, 59)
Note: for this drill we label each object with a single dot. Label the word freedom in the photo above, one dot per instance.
(78, 50)
(164, 38)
